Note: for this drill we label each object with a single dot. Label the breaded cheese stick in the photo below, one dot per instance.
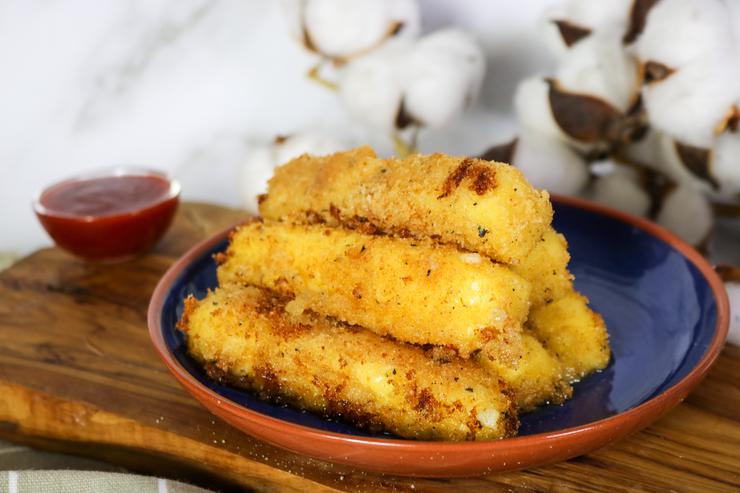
(481, 206)
(546, 268)
(574, 333)
(413, 290)
(244, 337)
(539, 377)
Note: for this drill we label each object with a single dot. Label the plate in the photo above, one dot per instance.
(665, 309)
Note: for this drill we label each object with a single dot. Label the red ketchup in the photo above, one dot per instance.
(109, 217)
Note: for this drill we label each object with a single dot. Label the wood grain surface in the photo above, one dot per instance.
(78, 375)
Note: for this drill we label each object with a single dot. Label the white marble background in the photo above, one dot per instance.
(185, 85)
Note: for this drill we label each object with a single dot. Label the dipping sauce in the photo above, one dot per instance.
(106, 195)
(109, 217)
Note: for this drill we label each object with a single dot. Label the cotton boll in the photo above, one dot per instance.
(582, 17)
(408, 14)
(687, 213)
(675, 167)
(599, 66)
(681, 32)
(532, 107)
(441, 75)
(692, 102)
(585, 122)
(725, 163)
(370, 86)
(671, 164)
(341, 29)
(432, 80)
(715, 171)
(549, 163)
(622, 190)
(598, 16)
(261, 160)
(647, 150)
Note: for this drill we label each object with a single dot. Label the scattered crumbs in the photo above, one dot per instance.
(413, 486)
(341, 478)
(469, 389)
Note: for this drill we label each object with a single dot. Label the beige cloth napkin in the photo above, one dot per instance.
(25, 470)
(87, 482)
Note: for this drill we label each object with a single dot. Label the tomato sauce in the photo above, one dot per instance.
(108, 217)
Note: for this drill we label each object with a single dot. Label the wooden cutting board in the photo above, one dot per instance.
(78, 375)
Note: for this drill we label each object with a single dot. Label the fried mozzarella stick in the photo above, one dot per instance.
(539, 377)
(574, 333)
(481, 206)
(244, 337)
(546, 268)
(413, 290)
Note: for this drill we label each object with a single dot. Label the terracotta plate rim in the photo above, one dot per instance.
(630, 420)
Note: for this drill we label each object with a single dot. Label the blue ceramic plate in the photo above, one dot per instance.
(664, 307)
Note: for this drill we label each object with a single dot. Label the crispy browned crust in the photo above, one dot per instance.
(433, 199)
(448, 198)
(290, 360)
(413, 290)
(481, 177)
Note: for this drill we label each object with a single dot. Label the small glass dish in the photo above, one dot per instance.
(109, 215)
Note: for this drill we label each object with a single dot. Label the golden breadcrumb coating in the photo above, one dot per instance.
(539, 377)
(546, 268)
(574, 333)
(481, 206)
(428, 297)
(244, 337)
(413, 290)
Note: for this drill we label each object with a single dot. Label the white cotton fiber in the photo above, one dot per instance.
(346, 28)
(686, 212)
(690, 104)
(532, 107)
(370, 86)
(600, 17)
(599, 66)
(725, 164)
(622, 190)
(441, 75)
(549, 163)
(680, 32)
